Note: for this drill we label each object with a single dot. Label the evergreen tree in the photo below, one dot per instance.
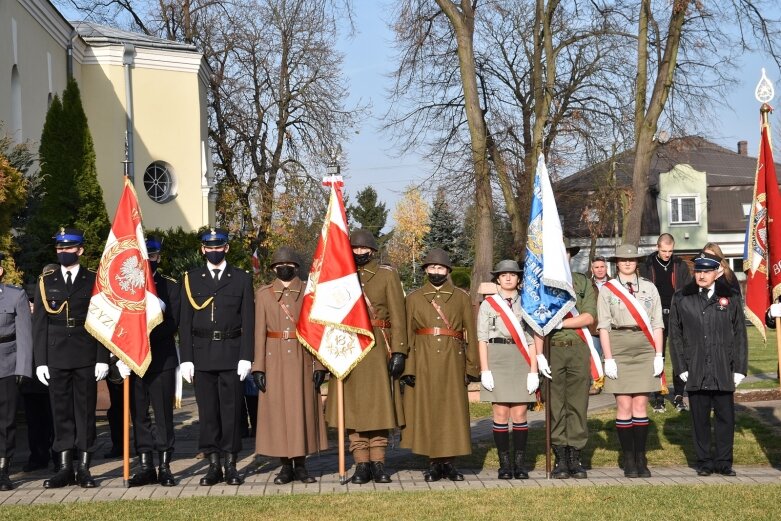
(445, 231)
(69, 194)
(369, 213)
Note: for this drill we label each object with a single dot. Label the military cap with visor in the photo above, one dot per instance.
(214, 237)
(153, 244)
(706, 262)
(67, 237)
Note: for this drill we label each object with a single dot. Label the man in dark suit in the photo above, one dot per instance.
(217, 348)
(16, 361)
(158, 386)
(69, 360)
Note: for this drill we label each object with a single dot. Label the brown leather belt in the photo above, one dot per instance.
(284, 335)
(384, 324)
(440, 331)
(628, 328)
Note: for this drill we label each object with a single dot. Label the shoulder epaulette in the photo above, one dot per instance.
(387, 267)
(414, 291)
(93, 270)
(463, 290)
(47, 273)
(166, 277)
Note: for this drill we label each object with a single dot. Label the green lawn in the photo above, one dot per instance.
(684, 502)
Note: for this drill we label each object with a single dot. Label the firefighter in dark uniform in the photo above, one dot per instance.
(216, 333)
(69, 360)
(16, 361)
(158, 385)
(372, 397)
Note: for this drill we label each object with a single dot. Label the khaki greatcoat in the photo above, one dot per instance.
(437, 408)
(290, 418)
(369, 404)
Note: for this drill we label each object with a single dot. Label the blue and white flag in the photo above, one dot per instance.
(547, 294)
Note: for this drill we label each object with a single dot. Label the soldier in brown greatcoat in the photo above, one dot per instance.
(372, 398)
(443, 358)
(290, 417)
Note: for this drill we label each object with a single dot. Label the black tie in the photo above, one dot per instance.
(68, 281)
(704, 293)
(509, 302)
(629, 287)
(216, 276)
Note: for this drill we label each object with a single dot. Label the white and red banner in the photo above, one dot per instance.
(596, 362)
(124, 306)
(334, 322)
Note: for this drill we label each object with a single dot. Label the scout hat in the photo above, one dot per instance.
(214, 237)
(572, 250)
(285, 255)
(506, 266)
(706, 262)
(67, 237)
(437, 256)
(153, 244)
(626, 251)
(363, 239)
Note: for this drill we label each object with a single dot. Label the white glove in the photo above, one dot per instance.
(684, 376)
(611, 369)
(42, 373)
(532, 382)
(487, 379)
(124, 370)
(737, 377)
(101, 371)
(243, 369)
(188, 371)
(543, 367)
(658, 365)
(162, 304)
(775, 310)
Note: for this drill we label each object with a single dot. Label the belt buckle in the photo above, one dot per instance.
(286, 335)
(216, 335)
(665, 311)
(70, 322)
(437, 331)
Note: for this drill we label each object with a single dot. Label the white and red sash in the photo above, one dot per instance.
(637, 311)
(585, 335)
(511, 323)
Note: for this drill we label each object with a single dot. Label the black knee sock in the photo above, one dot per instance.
(520, 435)
(502, 437)
(640, 428)
(625, 432)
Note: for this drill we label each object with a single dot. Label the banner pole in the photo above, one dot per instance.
(126, 432)
(340, 421)
(778, 348)
(546, 352)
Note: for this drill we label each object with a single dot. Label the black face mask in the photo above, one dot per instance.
(153, 265)
(437, 279)
(285, 273)
(215, 257)
(67, 258)
(362, 259)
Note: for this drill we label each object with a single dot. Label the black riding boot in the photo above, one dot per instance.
(146, 474)
(64, 475)
(164, 475)
(214, 473)
(5, 479)
(83, 476)
(232, 476)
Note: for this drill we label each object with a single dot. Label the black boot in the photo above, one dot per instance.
(300, 471)
(146, 475)
(642, 465)
(214, 473)
(5, 480)
(519, 472)
(560, 470)
(574, 466)
(434, 472)
(164, 475)
(83, 476)
(627, 442)
(363, 474)
(286, 473)
(232, 476)
(505, 468)
(640, 428)
(379, 473)
(64, 475)
(452, 473)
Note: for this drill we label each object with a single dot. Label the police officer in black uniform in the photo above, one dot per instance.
(16, 361)
(158, 385)
(69, 360)
(216, 335)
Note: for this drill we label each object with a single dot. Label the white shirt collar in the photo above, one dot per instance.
(221, 266)
(73, 269)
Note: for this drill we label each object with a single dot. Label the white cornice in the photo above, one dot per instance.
(144, 58)
(50, 19)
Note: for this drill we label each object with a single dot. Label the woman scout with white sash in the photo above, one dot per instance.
(630, 328)
(508, 369)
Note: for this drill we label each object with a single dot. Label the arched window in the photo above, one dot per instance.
(159, 182)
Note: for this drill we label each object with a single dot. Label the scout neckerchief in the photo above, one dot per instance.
(511, 323)
(638, 313)
(596, 364)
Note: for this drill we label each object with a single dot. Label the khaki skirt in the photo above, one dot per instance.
(509, 369)
(634, 358)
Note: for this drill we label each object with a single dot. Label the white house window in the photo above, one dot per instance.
(683, 209)
(159, 182)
